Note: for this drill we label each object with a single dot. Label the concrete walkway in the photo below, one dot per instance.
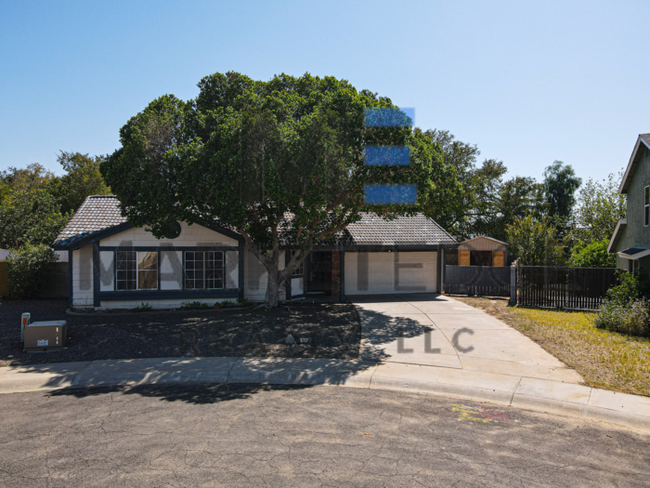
(503, 367)
(435, 330)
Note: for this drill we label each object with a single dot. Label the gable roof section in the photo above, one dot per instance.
(99, 216)
(485, 237)
(643, 141)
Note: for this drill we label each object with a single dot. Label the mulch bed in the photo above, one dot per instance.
(333, 331)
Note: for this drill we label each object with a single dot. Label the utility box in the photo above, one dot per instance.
(46, 336)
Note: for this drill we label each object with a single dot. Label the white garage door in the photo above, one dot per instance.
(390, 272)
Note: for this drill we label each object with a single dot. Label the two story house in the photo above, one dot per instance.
(631, 238)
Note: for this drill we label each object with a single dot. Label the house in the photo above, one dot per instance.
(113, 264)
(631, 238)
(479, 251)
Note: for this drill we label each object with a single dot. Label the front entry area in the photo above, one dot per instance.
(365, 273)
(318, 271)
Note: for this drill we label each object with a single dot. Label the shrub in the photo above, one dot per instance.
(145, 307)
(194, 306)
(625, 310)
(626, 291)
(632, 318)
(592, 255)
(29, 269)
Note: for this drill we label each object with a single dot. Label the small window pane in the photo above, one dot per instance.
(124, 277)
(147, 271)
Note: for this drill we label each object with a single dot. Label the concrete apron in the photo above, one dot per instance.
(435, 330)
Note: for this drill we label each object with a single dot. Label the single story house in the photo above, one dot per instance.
(113, 264)
(631, 238)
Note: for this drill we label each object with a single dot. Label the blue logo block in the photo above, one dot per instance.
(389, 117)
(387, 155)
(390, 194)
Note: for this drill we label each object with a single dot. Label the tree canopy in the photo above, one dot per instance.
(82, 178)
(250, 152)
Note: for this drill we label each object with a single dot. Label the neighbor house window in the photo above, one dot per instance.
(646, 206)
(203, 270)
(136, 270)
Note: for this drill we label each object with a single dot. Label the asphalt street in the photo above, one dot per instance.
(254, 436)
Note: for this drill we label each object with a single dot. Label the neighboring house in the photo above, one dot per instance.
(116, 265)
(479, 251)
(631, 239)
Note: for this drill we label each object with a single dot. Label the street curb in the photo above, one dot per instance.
(510, 391)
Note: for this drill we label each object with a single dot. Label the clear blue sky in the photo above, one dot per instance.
(528, 82)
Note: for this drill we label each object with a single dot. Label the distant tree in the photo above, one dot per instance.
(33, 177)
(592, 254)
(462, 157)
(599, 208)
(82, 178)
(249, 152)
(535, 242)
(560, 186)
(29, 216)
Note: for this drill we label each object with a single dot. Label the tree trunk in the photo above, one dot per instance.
(272, 287)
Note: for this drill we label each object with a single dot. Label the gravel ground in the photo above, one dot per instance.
(333, 331)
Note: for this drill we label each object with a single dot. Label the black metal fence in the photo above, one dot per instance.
(477, 280)
(564, 288)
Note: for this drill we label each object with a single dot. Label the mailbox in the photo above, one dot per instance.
(44, 336)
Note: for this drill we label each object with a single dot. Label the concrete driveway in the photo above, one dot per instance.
(435, 330)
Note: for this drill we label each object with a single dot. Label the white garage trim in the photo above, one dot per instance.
(370, 273)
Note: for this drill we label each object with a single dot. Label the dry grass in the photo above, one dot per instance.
(604, 359)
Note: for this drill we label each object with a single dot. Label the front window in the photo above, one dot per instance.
(136, 270)
(646, 206)
(204, 270)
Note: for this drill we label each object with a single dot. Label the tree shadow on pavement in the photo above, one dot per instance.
(213, 379)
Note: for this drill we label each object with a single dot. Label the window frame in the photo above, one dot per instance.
(646, 206)
(136, 270)
(204, 269)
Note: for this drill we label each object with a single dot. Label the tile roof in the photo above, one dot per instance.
(101, 212)
(97, 213)
(418, 230)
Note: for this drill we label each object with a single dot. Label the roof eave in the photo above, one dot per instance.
(631, 165)
(612, 241)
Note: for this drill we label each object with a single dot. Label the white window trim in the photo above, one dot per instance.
(223, 270)
(646, 206)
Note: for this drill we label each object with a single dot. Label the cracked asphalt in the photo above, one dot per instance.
(253, 436)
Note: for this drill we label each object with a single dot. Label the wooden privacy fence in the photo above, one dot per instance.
(477, 280)
(564, 288)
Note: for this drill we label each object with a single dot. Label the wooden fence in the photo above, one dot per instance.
(477, 280)
(564, 288)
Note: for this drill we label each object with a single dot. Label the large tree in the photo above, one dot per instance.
(535, 242)
(82, 178)
(560, 186)
(599, 208)
(252, 153)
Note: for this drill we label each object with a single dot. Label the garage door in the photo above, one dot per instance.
(390, 272)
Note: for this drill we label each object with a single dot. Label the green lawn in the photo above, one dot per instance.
(604, 359)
